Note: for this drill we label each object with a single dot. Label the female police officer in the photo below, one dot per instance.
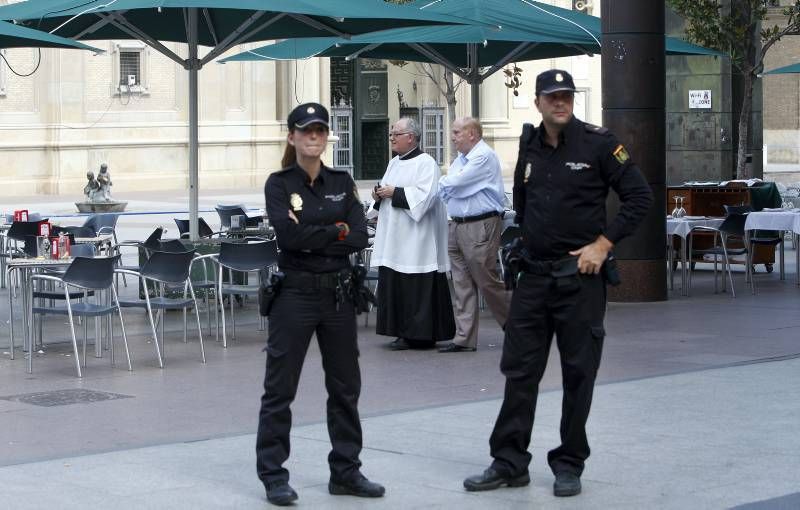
(318, 221)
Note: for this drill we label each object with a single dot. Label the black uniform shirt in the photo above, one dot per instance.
(565, 190)
(312, 244)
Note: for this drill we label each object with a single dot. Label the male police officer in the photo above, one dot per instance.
(561, 181)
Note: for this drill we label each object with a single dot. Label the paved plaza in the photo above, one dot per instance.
(696, 407)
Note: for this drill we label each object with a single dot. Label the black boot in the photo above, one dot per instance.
(359, 487)
(566, 484)
(491, 480)
(280, 493)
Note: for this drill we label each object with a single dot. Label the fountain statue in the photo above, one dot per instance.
(98, 193)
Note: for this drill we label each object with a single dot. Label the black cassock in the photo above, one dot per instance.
(415, 306)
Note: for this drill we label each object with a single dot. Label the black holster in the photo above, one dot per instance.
(268, 290)
(512, 255)
(610, 272)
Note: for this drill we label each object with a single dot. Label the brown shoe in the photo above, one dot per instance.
(453, 347)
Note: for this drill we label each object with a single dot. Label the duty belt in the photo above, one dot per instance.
(479, 217)
(545, 267)
(311, 281)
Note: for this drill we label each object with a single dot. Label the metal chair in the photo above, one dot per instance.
(88, 274)
(153, 241)
(226, 211)
(244, 258)
(203, 229)
(760, 238)
(731, 231)
(103, 223)
(25, 232)
(365, 257)
(165, 269)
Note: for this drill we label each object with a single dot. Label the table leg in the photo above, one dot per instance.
(98, 342)
(27, 308)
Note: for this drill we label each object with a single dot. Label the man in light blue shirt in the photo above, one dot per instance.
(474, 194)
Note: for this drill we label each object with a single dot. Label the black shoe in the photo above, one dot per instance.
(566, 484)
(359, 487)
(399, 344)
(491, 480)
(454, 347)
(280, 493)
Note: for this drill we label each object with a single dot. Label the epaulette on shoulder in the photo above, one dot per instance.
(337, 170)
(282, 171)
(599, 130)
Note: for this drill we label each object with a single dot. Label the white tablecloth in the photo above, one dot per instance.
(774, 220)
(682, 226)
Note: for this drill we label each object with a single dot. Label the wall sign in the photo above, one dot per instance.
(700, 99)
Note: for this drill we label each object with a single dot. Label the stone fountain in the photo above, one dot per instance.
(98, 194)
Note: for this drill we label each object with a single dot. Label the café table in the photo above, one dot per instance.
(681, 227)
(782, 220)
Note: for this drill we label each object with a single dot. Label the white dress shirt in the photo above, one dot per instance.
(474, 183)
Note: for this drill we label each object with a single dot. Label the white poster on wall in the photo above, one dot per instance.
(700, 99)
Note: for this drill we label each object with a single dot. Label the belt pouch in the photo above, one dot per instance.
(565, 273)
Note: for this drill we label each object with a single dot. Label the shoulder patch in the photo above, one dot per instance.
(621, 154)
(591, 128)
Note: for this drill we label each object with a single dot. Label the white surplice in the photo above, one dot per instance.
(412, 240)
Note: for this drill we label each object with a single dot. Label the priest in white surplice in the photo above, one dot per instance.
(410, 249)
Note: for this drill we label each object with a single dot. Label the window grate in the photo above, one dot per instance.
(433, 133)
(342, 122)
(130, 64)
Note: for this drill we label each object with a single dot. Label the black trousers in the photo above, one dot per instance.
(296, 315)
(538, 310)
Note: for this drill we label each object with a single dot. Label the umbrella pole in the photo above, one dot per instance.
(193, 65)
(475, 99)
(474, 81)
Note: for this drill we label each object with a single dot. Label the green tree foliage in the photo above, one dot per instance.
(736, 28)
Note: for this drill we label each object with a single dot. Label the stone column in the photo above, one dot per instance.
(494, 102)
(633, 109)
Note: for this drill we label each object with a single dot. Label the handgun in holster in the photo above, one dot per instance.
(268, 290)
(512, 256)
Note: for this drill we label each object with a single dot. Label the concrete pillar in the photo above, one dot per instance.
(633, 109)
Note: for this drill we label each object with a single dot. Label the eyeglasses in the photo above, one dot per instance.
(392, 134)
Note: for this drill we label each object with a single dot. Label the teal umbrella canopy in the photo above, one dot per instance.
(15, 36)
(449, 46)
(219, 24)
(245, 20)
(529, 31)
(790, 69)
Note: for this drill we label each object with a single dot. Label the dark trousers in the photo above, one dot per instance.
(537, 311)
(296, 315)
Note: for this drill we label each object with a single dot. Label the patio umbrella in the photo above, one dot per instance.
(530, 31)
(219, 24)
(15, 36)
(790, 69)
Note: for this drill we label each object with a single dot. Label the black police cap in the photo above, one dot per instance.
(306, 114)
(554, 80)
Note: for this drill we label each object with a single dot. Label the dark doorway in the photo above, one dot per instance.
(374, 149)
(359, 93)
